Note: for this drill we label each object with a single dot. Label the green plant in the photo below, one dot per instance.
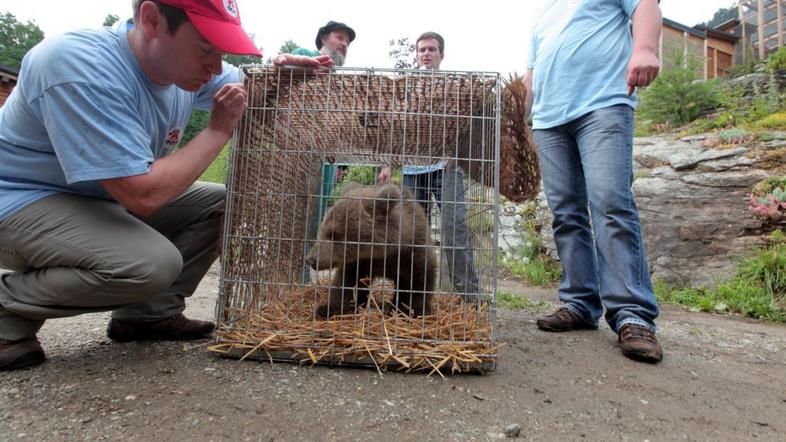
(768, 198)
(530, 263)
(758, 288)
(735, 135)
(776, 121)
(479, 218)
(365, 175)
(217, 171)
(520, 302)
(676, 97)
(732, 99)
(777, 60)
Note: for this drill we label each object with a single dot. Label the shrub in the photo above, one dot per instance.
(776, 121)
(758, 288)
(676, 97)
(777, 60)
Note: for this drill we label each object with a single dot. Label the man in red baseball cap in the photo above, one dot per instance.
(100, 206)
(219, 22)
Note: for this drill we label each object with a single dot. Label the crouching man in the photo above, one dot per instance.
(95, 213)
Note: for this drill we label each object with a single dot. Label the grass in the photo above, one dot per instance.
(758, 289)
(776, 121)
(217, 171)
(480, 219)
(520, 302)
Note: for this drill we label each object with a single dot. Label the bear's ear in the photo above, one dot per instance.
(384, 200)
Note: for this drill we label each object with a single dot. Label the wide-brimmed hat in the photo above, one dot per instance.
(333, 26)
(219, 22)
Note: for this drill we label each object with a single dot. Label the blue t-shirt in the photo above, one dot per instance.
(83, 111)
(579, 52)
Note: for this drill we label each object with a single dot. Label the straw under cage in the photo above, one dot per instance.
(323, 264)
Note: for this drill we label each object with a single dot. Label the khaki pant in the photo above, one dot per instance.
(71, 254)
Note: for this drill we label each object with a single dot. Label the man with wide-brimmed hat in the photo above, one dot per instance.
(332, 40)
(99, 206)
(332, 43)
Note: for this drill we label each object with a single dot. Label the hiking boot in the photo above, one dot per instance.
(20, 354)
(564, 320)
(639, 343)
(174, 328)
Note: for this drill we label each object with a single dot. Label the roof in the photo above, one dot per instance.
(718, 34)
(728, 24)
(702, 31)
(10, 73)
(683, 28)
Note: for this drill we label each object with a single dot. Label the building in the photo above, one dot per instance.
(8, 78)
(716, 48)
(762, 21)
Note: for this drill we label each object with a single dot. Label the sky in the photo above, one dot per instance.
(486, 35)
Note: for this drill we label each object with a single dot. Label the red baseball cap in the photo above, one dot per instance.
(219, 22)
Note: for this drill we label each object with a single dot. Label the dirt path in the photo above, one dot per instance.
(722, 379)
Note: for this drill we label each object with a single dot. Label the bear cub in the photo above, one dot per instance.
(370, 232)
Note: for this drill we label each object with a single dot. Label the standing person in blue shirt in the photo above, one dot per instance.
(583, 70)
(98, 211)
(445, 181)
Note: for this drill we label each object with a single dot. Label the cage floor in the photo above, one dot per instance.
(455, 339)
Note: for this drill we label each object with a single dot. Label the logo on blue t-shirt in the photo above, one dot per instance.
(172, 138)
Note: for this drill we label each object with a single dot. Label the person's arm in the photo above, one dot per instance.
(644, 65)
(303, 60)
(528, 86)
(170, 176)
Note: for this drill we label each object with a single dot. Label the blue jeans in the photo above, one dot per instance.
(447, 186)
(587, 171)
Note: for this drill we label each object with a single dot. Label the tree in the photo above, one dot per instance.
(722, 15)
(16, 39)
(239, 60)
(288, 47)
(402, 52)
(196, 124)
(111, 19)
(676, 97)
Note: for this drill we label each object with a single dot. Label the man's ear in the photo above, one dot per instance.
(151, 21)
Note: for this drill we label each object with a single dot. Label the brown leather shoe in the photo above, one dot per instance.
(174, 328)
(20, 354)
(564, 320)
(640, 344)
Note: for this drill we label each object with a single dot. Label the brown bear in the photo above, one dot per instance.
(371, 232)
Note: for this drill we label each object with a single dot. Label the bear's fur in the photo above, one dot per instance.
(370, 232)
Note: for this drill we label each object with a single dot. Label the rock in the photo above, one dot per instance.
(693, 206)
(694, 138)
(513, 430)
(690, 158)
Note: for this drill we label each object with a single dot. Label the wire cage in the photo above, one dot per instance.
(323, 264)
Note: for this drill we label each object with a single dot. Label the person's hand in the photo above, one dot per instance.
(384, 175)
(320, 61)
(642, 69)
(229, 103)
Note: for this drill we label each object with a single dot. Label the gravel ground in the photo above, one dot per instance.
(723, 378)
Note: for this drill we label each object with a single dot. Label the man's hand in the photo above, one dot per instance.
(229, 103)
(384, 175)
(642, 69)
(320, 61)
(644, 65)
